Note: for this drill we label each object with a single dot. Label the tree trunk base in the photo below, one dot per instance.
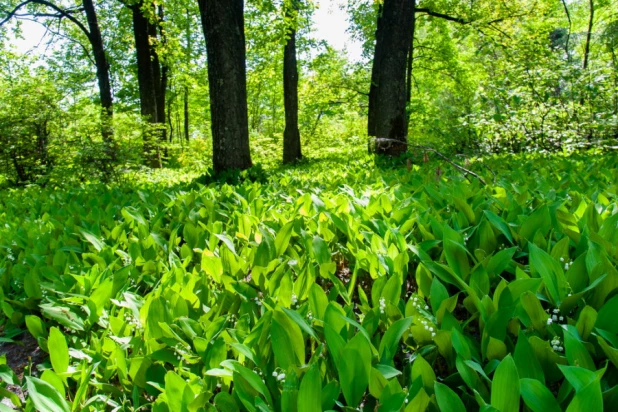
(387, 147)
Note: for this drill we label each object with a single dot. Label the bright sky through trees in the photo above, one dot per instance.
(330, 23)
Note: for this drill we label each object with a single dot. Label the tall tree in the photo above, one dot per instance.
(223, 25)
(291, 135)
(92, 32)
(151, 77)
(388, 93)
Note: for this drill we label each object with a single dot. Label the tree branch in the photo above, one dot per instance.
(441, 15)
(462, 169)
(61, 13)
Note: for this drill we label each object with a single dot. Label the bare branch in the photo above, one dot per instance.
(441, 15)
(61, 12)
(462, 169)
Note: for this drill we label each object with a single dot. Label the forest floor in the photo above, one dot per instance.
(154, 285)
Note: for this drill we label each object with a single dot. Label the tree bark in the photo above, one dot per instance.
(146, 82)
(103, 79)
(186, 88)
(224, 31)
(291, 135)
(375, 69)
(589, 36)
(152, 82)
(186, 113)
(389, 85)
(411, 52)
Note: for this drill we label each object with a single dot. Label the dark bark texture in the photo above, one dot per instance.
(388, 94)
(291, 135)
(152, 82)
(223, 25)
(411, 52)
(375, 68)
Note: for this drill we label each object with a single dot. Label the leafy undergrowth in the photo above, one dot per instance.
(333, 284)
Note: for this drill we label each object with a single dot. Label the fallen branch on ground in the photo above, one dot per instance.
(462, 169)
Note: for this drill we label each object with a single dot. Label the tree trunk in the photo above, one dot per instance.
(161, 73)
(105, 89)
(589, 36)
(389, 103)
(188, 54)
(291, 134)
(375, 69)
(146, 82)
(223, 26)
(186, 111)
(152, 81)
(411, 52)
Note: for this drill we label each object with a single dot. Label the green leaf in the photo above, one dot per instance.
(58, 352)
(576, 352)
(287, 341)
(320, 250)
(390, 340)
(611, 353)
(499, 224)
(353, 375)
(45, 397)
(606, 318)
(422, 369)
(36, 327)
(251, 377)
(228, 242)
(505, 389)
(447, 399)
(301, 322)
(537, 397)
(94, 240)
(528, 365)
(578, 377)
(455, 253)
(283, 238)
(310, 390)
(550, 271)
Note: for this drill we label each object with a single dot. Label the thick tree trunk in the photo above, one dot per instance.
(160, 72)
(223, 25)
(411, 51)
(392, 45)
(375, 69)
(152, 81)
(103, 79)
(291, 134)
(146, 82)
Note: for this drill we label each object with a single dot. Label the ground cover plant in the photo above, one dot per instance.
(340, 283)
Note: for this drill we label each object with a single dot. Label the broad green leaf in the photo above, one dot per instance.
(499, 224)
(390, 340)
(310, 390)
(282, 240)
(505, 389)
(550, 271)
(287, 341)
(447, 399)
(45, 397)
(58, 352)
(537, 397)
(576, 352)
